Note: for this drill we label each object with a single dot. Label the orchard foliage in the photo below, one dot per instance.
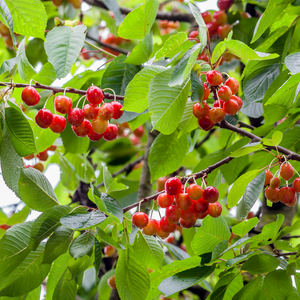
(202, 105)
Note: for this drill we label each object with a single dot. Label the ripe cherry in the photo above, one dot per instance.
(183, 201)
(43, 156)
(173, 214)
(214, 77)
(224, 93)
(268, 177)
(140, 219)
(151, 227)
(200, 111)
(238, 100)
(203, 57)
(109, 250)
(207, 17)
(111, 281)
(43, 118)
(160, 183)
(93, 136)
(287, 195)
(194, 34)
(166, 226)
(106, 111)
(139, 132)
(233, 84)
(275, 182)
(272, 194)
(58, 124)
(217, 114)
(111, 132)
(164, 200)
(117, 106)
(52, 148)
(296, 185)
(205, 124)
(211, 194)
(30, 156)
(189, 223)
(212, 28)
(187, 214)
(224, 4)
(286, 171)
(224, 30)
(30, 96)
(173, 186)
(75, 116)
(195, 191)
(39, 166)
(220, 17)
(231, 107)
(63, 104)
(250, 215)
(170, 239)
(201, 215)
(206, 92)
(83, 129)
(215, 209)
(200, 206)
(94, 95)
(163, 24)
(134, 140)
(292, 203)
(90, 111)
(99, 125)
(162, 234)
(219, 103)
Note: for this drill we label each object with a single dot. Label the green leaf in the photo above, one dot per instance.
(167, 154)
(9, 65)
(175, 251)
(97, 257)
(78, 266)
(249, 148)
(239, 258)
(250, 196)
(66, 288)
(139, 21)
(82, 245)
(188, 122)
(136, 94)
(245, 52)
(58, 244)
(262, 263)
(68, 175)
(184, 280)
(132, 277)
(148, 251)
(110, 183)
(46, 75)
(63, 46)
(20, 131)
(141, 52)
(20, 281)
(292, 63)
(239, 186)
(7, 19)
(270, 231)
(108, 239)
(244, 227)
(277, 137)
(114, 7)
(19, 217)
(212, 232)
(185, 65)
(166, 104)
(118, 75)
(218, 52)
(25, 69)
(83, 221)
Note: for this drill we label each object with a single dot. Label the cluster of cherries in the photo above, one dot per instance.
(181, 206)
(166, 26)
(228, 102)
(78, 118)
(76, 3)
(287, 195)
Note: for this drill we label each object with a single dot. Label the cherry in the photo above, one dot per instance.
(206, 92)
(272, 194)
(170, 239)
(217, 114)
(106, 111)
(28, 157)
(187, 214)
(43, 118)
(214, 77)
(39, 166)
(245, 15)
(109, 250)
(268, 177)
(224, 4)
(93, 136)
(164, 200)
(173, 25)
(90, 111)
(94, 95)
(83, 129)
(212, 28)
(296, 184)
(99, 125)
(189, 223)
(292, 203)
(206, 124)
(140, 219)
(215, 209)
(207, 17)
(203, 57)
(111, 281)
(163, 24)
(173, 214)
(201, 215)
(30, 96)
(286, 171)
(238, 100)
(233, 84)
(75, 116)
(224, 30)
(224, 93)
(200, 111)
(183, 201)
(76, 3)
(134, 140)
(219, 103)
(173, 186)
(195, 191)
(160, 183)
(43, 156)
(210, 194)
(4, 226)
(111, 132)
(4, 31)
(220, 17)
(52, 148)
(231, 107)
(58, 124)
(151, 227)
(139, 132)
(63, 104)
(166, 226)
(117, 106)
(228, 57)
(194, 34)
(162, 234)
(250, 215)
(275, 182)
(287, 195)
(200, 206)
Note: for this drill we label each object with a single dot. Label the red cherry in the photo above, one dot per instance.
(99, 125)
(205, 124)
(207, 17)
(58, 124)
(160, 183)
(170, 239)
(90, 111)
(75, 116)
(201, 215)
(183, 201)
(206, 92)
(162, 234)
(220, 17)
(163, 24)
(140, 219)
(52, 148)
(30, 96)
(233, 84)
(83, 129)
(189, 223)
(111, 282)
(43, 156)
(238, 100)
(117, 106)
(173, 214)
(287, 195)
(164, 200)
(28, 157)
(134, 140)
(211, 194)
(214, 78)
(194, 34)
(212, 28)
(231, 107)
(195, 191)
(187, 214)
(166, 226)
(106, 111)
(43, 118)
(224, 30)
(218, 102)
(4, 226)
(286, 171)
(200, 206)
(245, 15)
(272, 194)
(224, 4)
(292, 203)
(63, 104)
(200, 111)
(268, 177)
(275, 182)
(296, 184)
(111, 132)
(216, 114)
(94, 95)
(250, 215)
(203, 57)
(39, 166)
(139, 132)
(173, 186)
(224, 93)
(215, 209)
(151, 227)
(109, 250)
(93, 136)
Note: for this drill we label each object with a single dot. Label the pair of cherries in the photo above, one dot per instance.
(228, 102)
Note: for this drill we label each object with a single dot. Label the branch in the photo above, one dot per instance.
(288, 253)
(198, 145)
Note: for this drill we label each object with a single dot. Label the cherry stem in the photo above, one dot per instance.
(115, 97)
(52, 94)
(100, 49)
(80, 100)
(271, 163)
(152, 209)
